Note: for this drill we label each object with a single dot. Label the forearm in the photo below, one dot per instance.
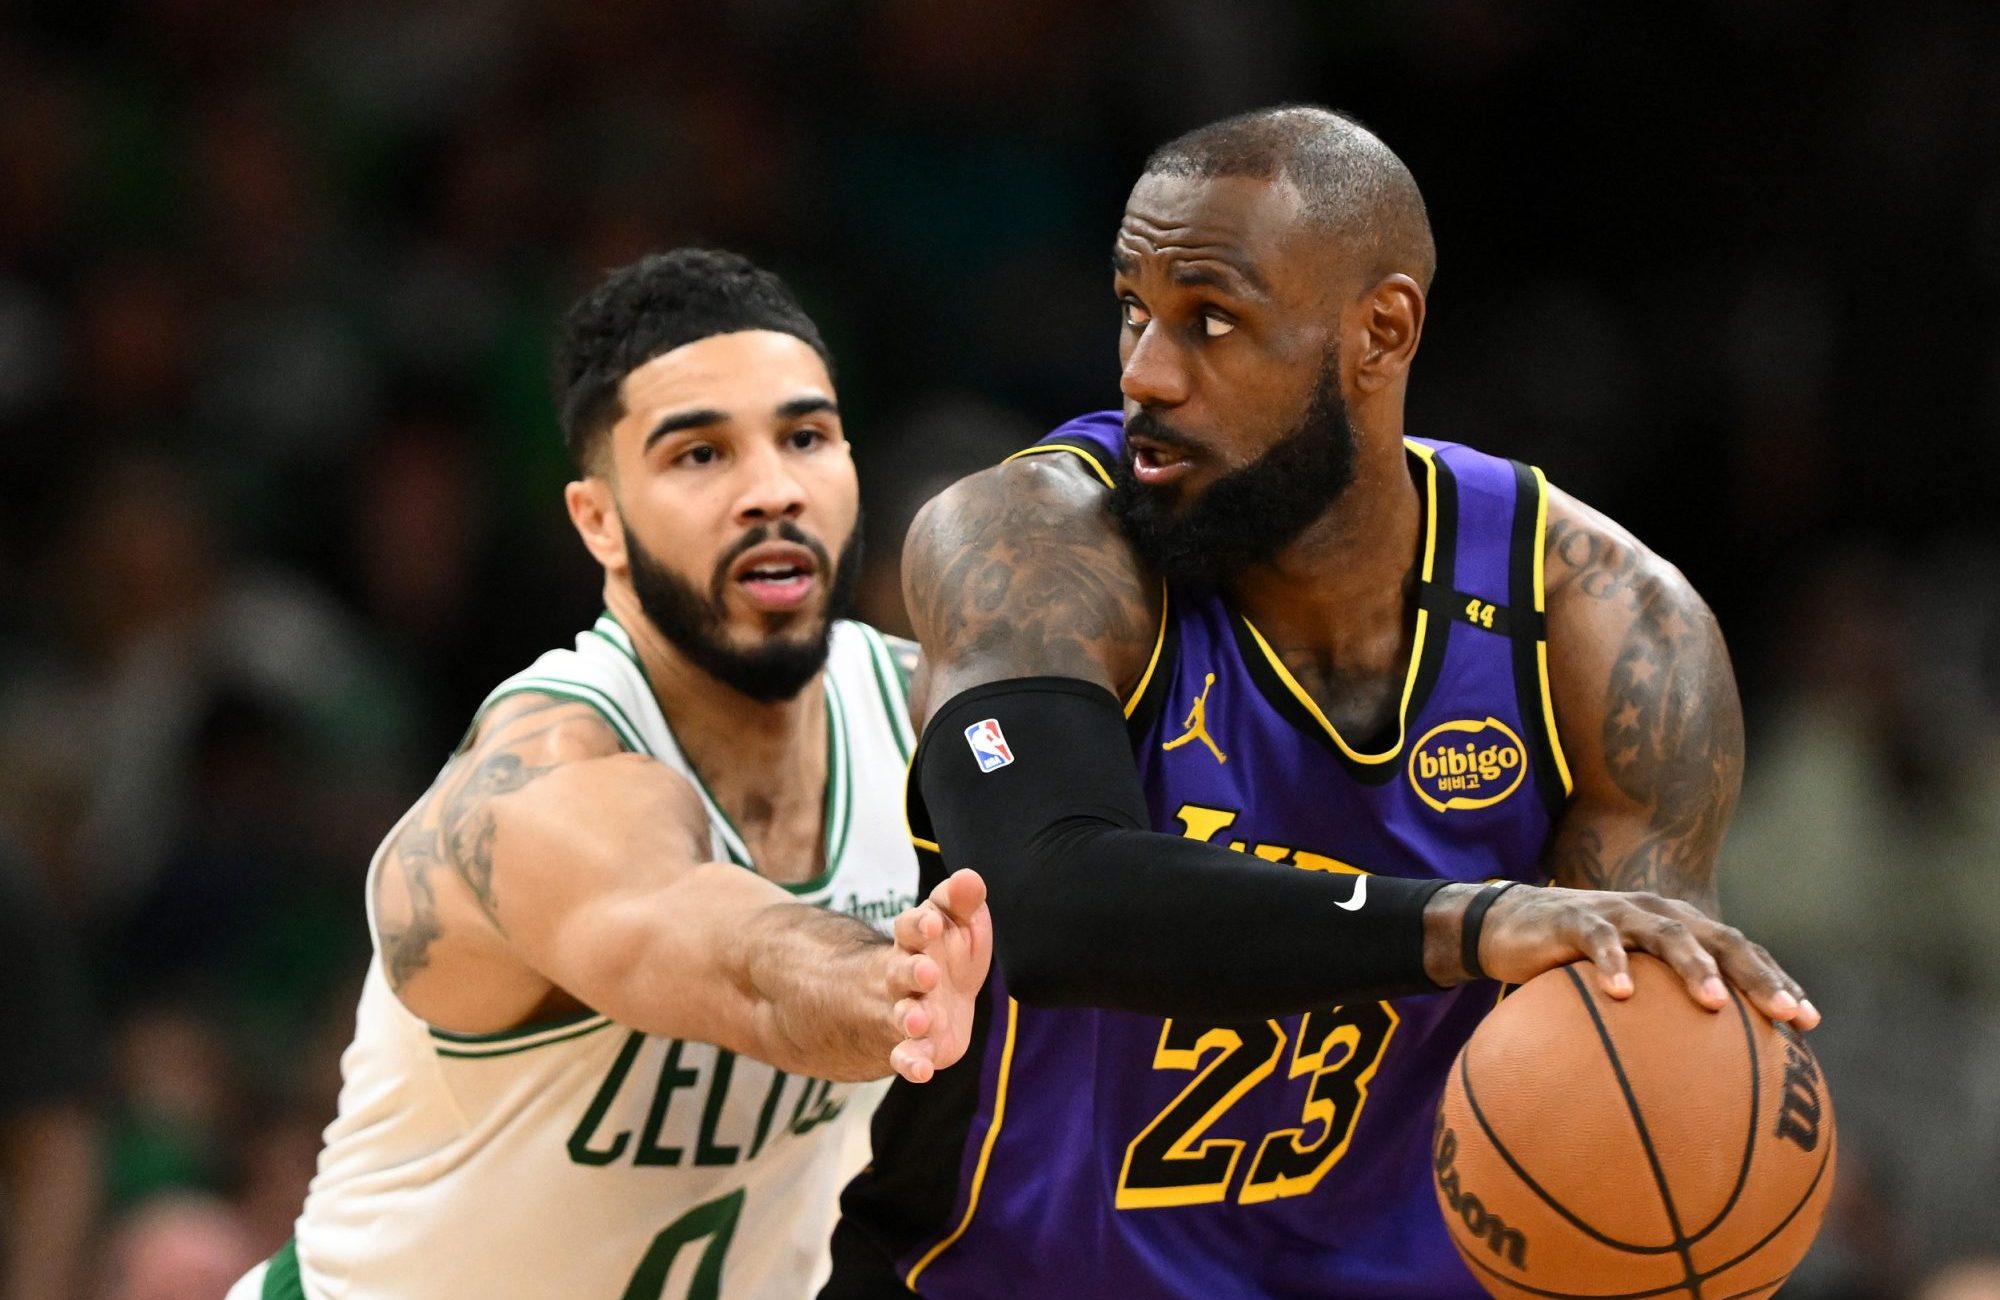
(820, 993)
(721, 955)
(1091, 907)
(51, 1190)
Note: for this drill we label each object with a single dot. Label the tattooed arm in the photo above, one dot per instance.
(1019, 571)
(1647, 711)
(547, 870)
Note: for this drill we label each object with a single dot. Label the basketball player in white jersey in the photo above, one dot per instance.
(625, 977)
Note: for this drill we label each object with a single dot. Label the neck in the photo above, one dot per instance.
(1341, 592)
(734, 741)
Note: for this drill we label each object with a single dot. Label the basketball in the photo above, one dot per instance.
(1645, 1148)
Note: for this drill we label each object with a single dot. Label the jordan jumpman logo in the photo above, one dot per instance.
(1197, 724)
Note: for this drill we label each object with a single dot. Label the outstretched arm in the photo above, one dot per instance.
(560, 863)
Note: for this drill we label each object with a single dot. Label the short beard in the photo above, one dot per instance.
(694, 623)
(1247, 516)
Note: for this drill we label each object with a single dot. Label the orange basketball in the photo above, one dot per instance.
(1645, 1148)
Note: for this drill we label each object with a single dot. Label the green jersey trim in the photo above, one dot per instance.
(839, 807)
(895, 690)
(514, 1035)
(839, 810)
(486, 1051)
(583, 693)
(281, 1276)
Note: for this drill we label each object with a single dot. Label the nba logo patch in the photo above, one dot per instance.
(989, 745)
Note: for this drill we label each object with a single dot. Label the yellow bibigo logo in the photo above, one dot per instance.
(1467, 764)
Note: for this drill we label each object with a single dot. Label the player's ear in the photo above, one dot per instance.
(1392, 320)
(595, 514)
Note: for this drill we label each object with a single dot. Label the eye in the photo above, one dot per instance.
(805, 438)
(1214, 327)
(699, 454)
(1133, 314)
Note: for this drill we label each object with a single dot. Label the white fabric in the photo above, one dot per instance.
(551, 1163)
(251, 1285)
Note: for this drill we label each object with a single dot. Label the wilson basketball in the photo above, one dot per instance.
(1587, 1147)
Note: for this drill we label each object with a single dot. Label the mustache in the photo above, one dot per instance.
(1145, 424)
(785, 531)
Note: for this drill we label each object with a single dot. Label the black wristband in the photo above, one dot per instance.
(1475, 921)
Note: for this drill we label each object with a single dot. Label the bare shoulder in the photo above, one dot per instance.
(1646, 707)
(1020, 570)
(435, 894)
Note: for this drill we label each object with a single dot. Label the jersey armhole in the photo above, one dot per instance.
(1531, 646)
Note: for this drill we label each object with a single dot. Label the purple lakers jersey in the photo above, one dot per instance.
(1104, 1154)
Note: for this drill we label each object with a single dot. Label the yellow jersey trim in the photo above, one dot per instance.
(1043, 449)
(910, 770)
(1416, 646)
(1097, 467)
(985, 1152)
(1542, 645)
(1152, 664)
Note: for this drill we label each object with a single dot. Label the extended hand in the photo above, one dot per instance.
(945, 945)
(1531, 930)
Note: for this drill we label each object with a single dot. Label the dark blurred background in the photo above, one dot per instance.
(279, 476)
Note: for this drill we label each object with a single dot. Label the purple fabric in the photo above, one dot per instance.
(1084, 1085)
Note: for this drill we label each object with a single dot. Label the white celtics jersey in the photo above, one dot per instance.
(584, 1160)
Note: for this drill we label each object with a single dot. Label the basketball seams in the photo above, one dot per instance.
(1693, 1278)
(1654, 1293)
(1472, 1102)
(1756, 1109)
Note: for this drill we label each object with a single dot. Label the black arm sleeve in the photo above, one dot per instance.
(1091, 908)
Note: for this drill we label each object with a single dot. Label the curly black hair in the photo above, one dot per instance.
(656, 304)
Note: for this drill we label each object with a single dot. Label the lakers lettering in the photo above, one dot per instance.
(1510, 1244)
(1467, 764)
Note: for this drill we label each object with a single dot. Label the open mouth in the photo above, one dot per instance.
(780, 576)
(1153, 463)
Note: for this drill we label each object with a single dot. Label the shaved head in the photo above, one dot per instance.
(1353, 186)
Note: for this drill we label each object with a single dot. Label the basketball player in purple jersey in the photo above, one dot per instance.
(1394, 675)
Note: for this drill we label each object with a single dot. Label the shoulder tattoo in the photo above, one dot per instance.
(1671, 732)
(455, 829)
(1020, 567)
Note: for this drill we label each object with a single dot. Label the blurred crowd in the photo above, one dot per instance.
(279, 474)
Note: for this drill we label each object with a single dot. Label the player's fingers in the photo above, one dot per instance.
(911, 1064)
(1674, 942)
(960, 894)
(909, 929)
(913, 1017)
(911, 974)
(1751, 968)
(1600, 941)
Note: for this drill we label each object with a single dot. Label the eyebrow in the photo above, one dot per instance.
(1123, 263)
(701, 418)
(686, 420)
(800, 407)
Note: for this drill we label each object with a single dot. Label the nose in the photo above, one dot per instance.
(1155, 372)
(770, 490)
